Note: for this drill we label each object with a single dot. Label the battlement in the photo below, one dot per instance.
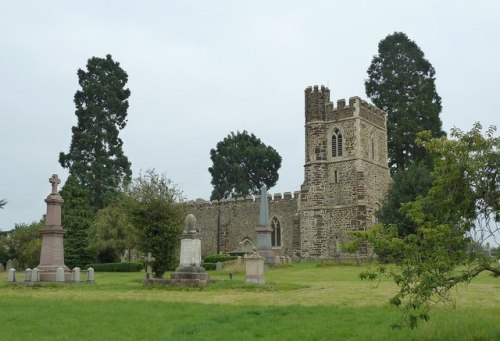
(249, 199)
(317, 89)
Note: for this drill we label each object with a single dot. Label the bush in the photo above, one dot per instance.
(209, 266)
(117, 267)
(217, 258)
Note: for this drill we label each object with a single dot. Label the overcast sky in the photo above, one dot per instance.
(201, 69)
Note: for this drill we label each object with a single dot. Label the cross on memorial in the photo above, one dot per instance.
(149, 268)
(54, 181)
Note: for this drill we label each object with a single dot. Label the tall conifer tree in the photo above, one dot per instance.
(95, 157)
(402, 83)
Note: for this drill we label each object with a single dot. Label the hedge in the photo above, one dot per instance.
(217, 258)
(117, 267)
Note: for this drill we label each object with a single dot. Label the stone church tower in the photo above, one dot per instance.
(345, 181)
(345, 171)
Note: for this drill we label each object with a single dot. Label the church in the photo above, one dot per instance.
(346, 178)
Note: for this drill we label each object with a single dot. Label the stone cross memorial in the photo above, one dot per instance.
(52, 253)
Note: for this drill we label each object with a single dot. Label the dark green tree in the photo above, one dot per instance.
(95, 155)
(157, 214)
(406, 187)
(23, 243)
(77, 215)
(241, 165)
(452, 223)
(402, 83)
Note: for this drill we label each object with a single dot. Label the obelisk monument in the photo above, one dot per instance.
(264, 229)
(52, 253)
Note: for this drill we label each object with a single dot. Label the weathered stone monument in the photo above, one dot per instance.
(190, 272)
(52, 253)
(264, 229)
(254, 269)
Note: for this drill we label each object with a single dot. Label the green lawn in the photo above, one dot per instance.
(299, 302)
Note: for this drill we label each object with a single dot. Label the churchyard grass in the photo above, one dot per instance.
(299, 302)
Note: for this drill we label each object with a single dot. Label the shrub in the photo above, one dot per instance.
(209, 266)
(117, 267)
(217, 258)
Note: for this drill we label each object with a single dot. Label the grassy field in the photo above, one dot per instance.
(299, 302)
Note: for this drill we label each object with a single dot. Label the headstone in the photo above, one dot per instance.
(288, 260)
(277, 259)
(2, 269)
(35, 275)
(76, 274)
(254, 266)
(27, 276)
(190, 272)
(11, 277)
(218, 266)
(15, 263)
(52, 252)
(240, 260)
(9, 264)
(90, 275)
(60, 274)
(264, 229)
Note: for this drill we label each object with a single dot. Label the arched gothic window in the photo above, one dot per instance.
(337, 143)
(276, 234)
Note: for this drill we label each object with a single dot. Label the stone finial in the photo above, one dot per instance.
(264, 207)
(54, 181)
(190, 223)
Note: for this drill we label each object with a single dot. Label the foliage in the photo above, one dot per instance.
(461, 210)
(77, 214)
(95, 156)
(23, 243)
(402, 83)
(3, 202)
(241, 165)
(217, 258)
(117, 267)
(406, 186)
(112, 232)
(158, 215)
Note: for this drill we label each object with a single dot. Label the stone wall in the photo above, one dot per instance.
(240, 217)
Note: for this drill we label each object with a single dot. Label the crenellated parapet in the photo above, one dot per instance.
(276, 198)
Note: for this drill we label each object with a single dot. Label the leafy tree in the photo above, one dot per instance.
(2, 203)
(23, 243)
(241, 165)
(406, 187)
(95, 156)
(402, 83)
(112, 232)
(459, 212)
(77, 214)
(158, 214)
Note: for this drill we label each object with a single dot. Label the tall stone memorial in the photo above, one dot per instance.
(52, 253)
(190, 272)
(264, 229)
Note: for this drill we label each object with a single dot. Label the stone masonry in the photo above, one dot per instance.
(345, 181)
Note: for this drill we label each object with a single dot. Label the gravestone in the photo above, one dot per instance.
(27, 276)
(2, 269)
(254, 269)
(11, 277)
(52, 253)
(9, 265)
(90, 275)
(264, 229)
(59, 274)
(76, 274)
(190, 272)
(35, 275)
(218, 266)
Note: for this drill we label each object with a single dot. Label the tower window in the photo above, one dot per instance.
(372, 148)
(276, 234)
(337, 143)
